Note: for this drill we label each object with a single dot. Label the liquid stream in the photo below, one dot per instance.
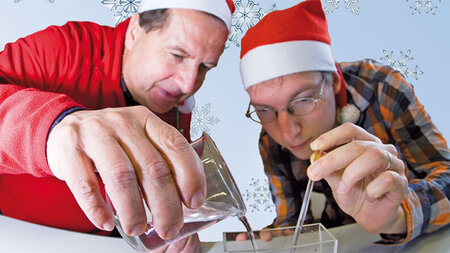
(250, 233)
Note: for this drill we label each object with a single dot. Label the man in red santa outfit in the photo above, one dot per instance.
(387, 165)
(82, 98)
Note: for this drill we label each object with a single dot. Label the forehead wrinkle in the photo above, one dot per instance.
(262, 86)
(178, 20)
(196, 36)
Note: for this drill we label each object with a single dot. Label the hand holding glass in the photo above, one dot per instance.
(223, 199)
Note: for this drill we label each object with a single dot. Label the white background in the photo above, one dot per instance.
(380, 25)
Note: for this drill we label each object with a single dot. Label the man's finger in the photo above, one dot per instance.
(82, 181)
(370, 163)
(186, 165)
(265, 235)
(120, 181)
(193, 244)
(156, 181)
(341, 135)
(337, 159)
(241, 237)
(161, 194)
(388, 183)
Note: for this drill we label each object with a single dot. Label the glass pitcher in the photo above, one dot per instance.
(223, 199)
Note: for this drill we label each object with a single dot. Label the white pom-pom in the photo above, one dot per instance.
(348, 113)
(187, 105)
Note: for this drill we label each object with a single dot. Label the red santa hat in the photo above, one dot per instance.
(288, 41)
(222, 9)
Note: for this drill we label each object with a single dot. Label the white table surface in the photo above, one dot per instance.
(19, 236)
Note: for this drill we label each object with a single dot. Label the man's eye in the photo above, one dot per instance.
(303, 101)
(204, 67)
(262, 110)
(177, 56)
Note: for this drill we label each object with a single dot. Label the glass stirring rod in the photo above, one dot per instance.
(306, 199)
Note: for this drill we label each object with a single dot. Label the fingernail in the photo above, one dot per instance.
(341, 188)
(197, 200)
(172, 233)
(316, 145)
(109, 226)
(313, 171)
(136, 231)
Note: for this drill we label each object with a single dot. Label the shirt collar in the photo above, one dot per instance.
(126, 93)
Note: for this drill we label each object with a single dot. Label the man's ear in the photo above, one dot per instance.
(336, 83)
(133, 31)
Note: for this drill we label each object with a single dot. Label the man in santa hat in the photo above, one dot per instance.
(387, 165)
(81, 98)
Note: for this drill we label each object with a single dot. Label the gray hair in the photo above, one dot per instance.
(153, 19)
(156, 19)
(327, 76)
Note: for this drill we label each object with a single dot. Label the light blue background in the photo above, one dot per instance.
(380, 25)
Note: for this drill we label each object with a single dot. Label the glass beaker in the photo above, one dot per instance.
(223, 199)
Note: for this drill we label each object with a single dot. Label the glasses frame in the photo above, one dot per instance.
(288, 108)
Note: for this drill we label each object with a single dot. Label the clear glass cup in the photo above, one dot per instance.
(223, 199)
(313, 238)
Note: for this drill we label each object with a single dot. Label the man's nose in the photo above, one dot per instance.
(287, 126)
(188, 78)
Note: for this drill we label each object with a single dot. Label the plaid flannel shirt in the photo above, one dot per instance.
(391, 111)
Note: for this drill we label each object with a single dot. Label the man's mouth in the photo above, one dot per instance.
(169, 95)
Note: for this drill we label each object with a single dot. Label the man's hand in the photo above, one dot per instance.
(137, 155)
(367, 178)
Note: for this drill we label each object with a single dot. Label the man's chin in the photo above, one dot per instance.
(302, 155)
(160, 109)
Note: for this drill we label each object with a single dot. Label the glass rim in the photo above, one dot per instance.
(235, 193)
(317, 228)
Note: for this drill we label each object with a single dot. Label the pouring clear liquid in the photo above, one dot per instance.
(250, 233)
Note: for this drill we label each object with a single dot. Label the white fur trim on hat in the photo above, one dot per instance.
(218, 8)
(348, 113)
(187, 106)
(274, 60)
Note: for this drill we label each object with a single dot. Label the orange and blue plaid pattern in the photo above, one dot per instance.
(391, 111)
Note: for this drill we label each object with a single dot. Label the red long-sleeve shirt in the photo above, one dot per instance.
(42, 75)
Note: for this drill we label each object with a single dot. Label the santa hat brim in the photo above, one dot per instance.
(274, 60)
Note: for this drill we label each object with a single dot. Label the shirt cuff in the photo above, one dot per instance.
(395, 239)
(62, 115)
(391, 239)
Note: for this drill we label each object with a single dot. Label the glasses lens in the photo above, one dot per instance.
(265, 115)
(302, 106)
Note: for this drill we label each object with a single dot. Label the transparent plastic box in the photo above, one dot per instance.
(313, 238)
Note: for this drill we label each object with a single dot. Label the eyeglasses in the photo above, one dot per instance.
(296, 107)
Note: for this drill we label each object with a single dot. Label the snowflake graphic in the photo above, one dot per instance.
(402, 64)
(246, 15)
(18, 1)
(418, 4)
(349, 4)
(201, 120)
(123, 9)
(259, 197)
